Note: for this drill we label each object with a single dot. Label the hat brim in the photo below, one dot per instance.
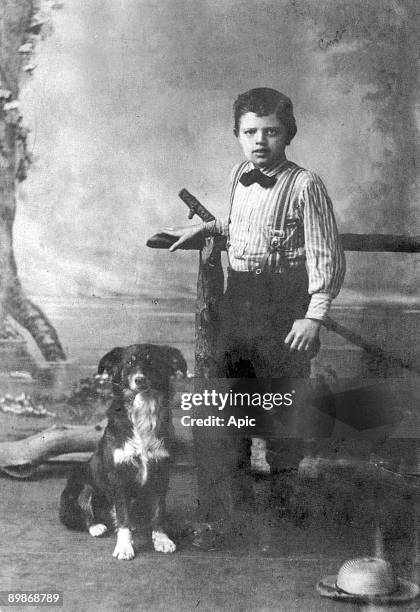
(405, 592)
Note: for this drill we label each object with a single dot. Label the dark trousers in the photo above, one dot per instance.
(257, 313)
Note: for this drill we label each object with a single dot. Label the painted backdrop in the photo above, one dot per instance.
(131, 101)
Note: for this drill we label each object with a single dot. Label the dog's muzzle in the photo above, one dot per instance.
(138, 382)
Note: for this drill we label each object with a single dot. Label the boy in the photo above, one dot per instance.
(286, 263)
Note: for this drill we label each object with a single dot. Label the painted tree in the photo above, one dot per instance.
(21, 24)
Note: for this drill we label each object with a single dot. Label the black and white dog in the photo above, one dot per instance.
(128, 475)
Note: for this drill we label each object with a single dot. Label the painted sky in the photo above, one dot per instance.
(131, 101)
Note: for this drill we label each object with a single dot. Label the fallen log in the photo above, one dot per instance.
(21, 457)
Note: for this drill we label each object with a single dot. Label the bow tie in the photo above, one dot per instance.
(256, 176)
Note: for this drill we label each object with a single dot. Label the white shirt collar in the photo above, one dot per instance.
(272, 170)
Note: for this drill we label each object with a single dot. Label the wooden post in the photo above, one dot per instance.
(214, 452)
(213, 493)
(209, 292)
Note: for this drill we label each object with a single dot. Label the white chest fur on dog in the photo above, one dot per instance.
(143, 446)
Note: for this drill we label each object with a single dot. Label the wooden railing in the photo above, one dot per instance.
(210, 283)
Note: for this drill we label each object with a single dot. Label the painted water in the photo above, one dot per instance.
(89, 327)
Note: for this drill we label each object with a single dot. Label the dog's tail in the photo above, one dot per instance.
(76, 500)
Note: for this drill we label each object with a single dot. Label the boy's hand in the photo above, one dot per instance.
(304, 335)
(184, 233)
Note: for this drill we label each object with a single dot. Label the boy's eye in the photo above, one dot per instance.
(268, 132)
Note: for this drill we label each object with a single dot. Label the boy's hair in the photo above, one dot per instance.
(264, 101)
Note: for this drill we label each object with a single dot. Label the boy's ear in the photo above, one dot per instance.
(235, 132)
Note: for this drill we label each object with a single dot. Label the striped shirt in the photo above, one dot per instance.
(310, 233)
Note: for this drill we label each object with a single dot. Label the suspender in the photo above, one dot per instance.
(235, 182)
(284, 200)
(282, 206)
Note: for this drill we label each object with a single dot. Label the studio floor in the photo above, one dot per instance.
(263, 560)
(266, 562)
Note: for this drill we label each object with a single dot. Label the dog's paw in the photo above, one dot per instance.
(162, 543)
(124, 549)
(97, 530)
(124, 553)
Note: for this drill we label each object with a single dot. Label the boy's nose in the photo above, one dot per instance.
(261, 136)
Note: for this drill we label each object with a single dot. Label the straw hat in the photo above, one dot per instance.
(368, 579)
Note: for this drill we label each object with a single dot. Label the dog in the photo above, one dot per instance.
(128, 475)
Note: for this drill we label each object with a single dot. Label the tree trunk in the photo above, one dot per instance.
(17, 28)
(214, 451)
(209, 294)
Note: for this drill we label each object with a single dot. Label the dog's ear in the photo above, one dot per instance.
(110, 363)
(175, 360)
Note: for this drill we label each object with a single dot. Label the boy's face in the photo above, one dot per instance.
(263, 139)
